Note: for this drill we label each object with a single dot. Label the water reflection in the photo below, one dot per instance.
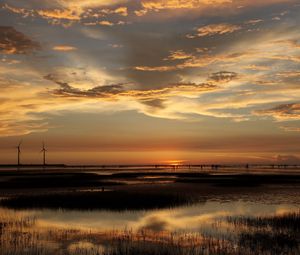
(211, 227)
(194, 218)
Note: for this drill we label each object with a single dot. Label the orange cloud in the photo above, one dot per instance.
(179, 4)
(214, 29)
(72, 11)
(67, 14)
(155, 68)
(204, 7)
(122, 11)
(64, 48)
(178, 54)
(79, 4)
(196, 61)
(105, 23)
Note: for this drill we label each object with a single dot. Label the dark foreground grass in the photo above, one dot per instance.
(275, 243)
(286, 222)
(278, 234)
(21, 236)
(258, 235)
(109, 200)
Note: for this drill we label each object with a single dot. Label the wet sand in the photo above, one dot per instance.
(136, 190)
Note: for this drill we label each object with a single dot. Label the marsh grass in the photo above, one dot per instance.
(18, 237)
(166, 243)
(22, 235)
(278, 234)
(289, 222)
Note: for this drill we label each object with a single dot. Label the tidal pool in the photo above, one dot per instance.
(240, 223)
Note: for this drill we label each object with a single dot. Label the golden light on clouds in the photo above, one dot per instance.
(214, 29)
(213, 69)
(106, 23)
(72, 4)
(64, 48)
(59, 14)
(179, 4)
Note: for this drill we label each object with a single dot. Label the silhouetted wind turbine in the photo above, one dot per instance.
(44, 154)
(19, 152)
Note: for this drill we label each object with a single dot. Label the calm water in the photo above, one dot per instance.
(194, 218)
(46, 232)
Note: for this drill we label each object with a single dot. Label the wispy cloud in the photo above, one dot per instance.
(290, 128)
(282, 112)
(178, 54)
(72, 11)
(58, 14)
(112, 56)
(215, 29)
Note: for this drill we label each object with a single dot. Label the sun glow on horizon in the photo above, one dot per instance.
(121, 82)
(176, 162)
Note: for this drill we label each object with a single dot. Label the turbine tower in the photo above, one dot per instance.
(44, 154)
(19, 152)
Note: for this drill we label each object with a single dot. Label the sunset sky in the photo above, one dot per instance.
(150, 81)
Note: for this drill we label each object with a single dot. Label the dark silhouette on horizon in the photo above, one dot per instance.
(44, 154)
(19, 152)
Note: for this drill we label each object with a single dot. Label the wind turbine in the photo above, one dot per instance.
(44, 154)
(19, 152)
